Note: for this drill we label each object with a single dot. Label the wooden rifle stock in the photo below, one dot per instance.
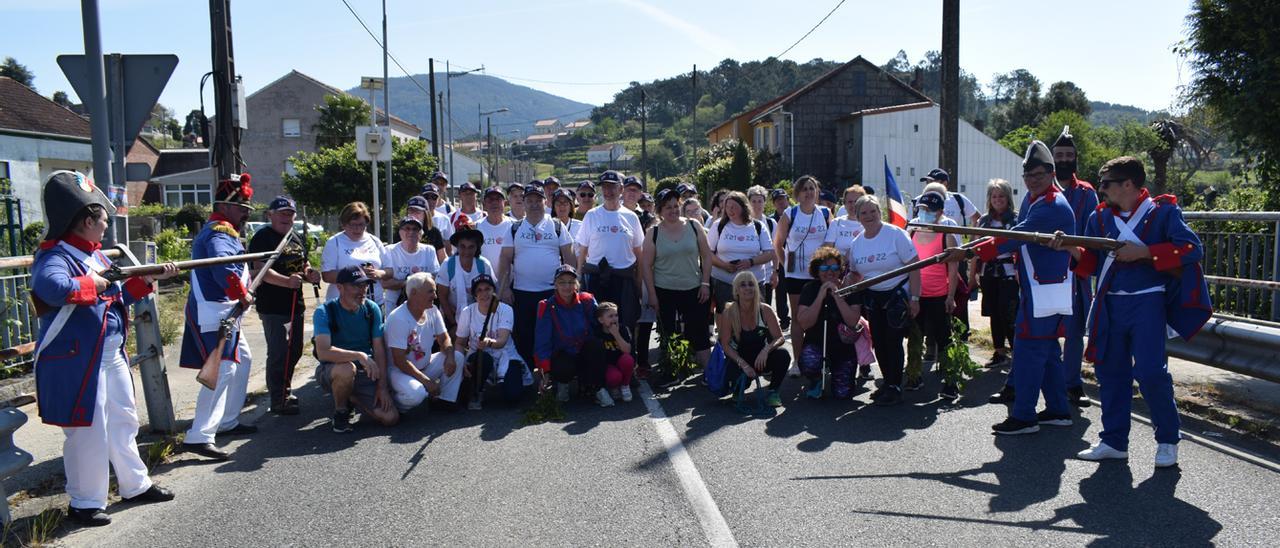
(117, 273)
(1041, 238)
(904, 269)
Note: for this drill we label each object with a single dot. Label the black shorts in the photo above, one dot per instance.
(794, 286)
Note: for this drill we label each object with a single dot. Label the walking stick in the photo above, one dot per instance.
(478, 390)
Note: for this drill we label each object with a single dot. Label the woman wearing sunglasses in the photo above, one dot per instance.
(831, 326)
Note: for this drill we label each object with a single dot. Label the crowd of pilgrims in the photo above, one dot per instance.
(530, 287)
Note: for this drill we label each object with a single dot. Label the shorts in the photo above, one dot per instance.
(794, 286)
(364, 389)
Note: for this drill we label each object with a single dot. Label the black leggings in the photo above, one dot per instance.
(887, 340)
(525, 306)
(1000, 303)
(775, 368)
(692, 312)
(934, 322)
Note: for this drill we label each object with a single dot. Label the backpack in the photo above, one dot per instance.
(795, 209)
(715, 372)
(758, 223)
(331, 313)
(452, 265)
(516, 226)
(964, 219)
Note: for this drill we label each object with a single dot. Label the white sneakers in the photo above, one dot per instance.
(602, 398)
(1102, 451)
(626, 393)
(1166, 455)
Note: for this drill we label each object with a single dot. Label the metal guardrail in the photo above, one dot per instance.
(1241, 264)
(1239, 347)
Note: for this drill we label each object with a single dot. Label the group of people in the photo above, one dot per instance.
(539, 287)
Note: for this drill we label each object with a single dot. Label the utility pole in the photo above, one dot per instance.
(100, 130)
(435, 137)
(386, 114)
(644, 141)
(948, 153)
(693, 127)
(439, 158)
(489, 145)
(448, 91)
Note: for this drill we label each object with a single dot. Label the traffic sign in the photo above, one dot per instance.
(142, 78)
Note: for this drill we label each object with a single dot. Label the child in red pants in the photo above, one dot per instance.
(613, 344)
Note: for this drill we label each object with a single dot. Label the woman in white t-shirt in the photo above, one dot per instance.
(562, 209)
(844, 228)
(890, 304)
(609, 244)
(738, 243)
(490, 348)
(801, 230)
(354, 246)
(453, 279)
(410, 256)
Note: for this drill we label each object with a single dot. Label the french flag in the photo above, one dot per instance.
(897, 210)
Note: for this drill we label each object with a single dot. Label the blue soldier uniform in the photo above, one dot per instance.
(1083, 199)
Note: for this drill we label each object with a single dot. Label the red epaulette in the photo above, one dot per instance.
(1101, 206)
(1086, 184)
(1166, 199)
(583, 296)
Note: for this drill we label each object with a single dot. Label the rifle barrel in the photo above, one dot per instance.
(124, 272)
(1090, 242)
(904, 269)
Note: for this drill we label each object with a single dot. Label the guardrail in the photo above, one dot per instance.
(1241, 260)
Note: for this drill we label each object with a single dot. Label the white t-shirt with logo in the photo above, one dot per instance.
(842, 232)
(739, 242)
(495, 238)
(536, 254)
(890, 249)
(460, 283)
(804, 236)
(611, 235)
(952, 209)
(476, 218)
(441, 222)
(341, 252)
(471, 322)
(405, 332)
(402, 264)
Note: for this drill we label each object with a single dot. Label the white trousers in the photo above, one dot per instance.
(112, 438)
(409, 393)
(218, 410)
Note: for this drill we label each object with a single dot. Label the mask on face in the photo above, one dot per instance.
(929, 216)
(1064, 170)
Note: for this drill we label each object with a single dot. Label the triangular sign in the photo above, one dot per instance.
(143, 76)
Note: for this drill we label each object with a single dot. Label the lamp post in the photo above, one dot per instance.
(448, 92)
(373, 83)
(488, 118)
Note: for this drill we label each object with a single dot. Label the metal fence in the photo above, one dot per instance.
(1241, 247)
(17, 320)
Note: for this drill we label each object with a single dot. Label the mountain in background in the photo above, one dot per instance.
(1111, 114)
(526, 105)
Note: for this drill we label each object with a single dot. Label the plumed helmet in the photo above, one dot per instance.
(1064, 139)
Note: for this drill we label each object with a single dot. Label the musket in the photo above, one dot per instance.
(905, 269)
(208, 375)
(117, 273)
(1089, 242)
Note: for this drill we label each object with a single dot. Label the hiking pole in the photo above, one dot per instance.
(478, 389)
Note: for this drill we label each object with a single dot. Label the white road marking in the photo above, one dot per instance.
(713, 524)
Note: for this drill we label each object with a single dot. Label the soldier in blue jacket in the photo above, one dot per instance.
(1046, 285)
(215, 290)
(1148, 290)
(83, 382)
(1083, 200)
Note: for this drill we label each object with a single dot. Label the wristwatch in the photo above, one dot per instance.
(915, 298)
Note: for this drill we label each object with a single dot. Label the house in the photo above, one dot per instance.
(281, 116)
(606, 154)
(907, 136)
(184, 176)
(140, 190)
(550, 126)
(541, 140)
(801, 125)
(38, 137)
(464, 167)
(576, 126)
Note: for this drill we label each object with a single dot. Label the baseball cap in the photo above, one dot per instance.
(467, 187)
(419, 202)
(494, 190)
(439, 175)
(514, 186)
(931, 201)
(646, 197)
(827, 196)
(685, 188)
(282, 203)
(587, 185)
(551, 181)
(778, 193)
(936, 175)
(430, 190)
(610, 177)
(632, 180)
(565, 269)
(353, 275)
(481, 279)
(533, 190)
(407, 220)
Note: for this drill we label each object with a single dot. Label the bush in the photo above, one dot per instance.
(667, 182)
(170, 246)
(189, 218)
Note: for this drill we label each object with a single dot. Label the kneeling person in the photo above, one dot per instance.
(484, 333)
(416, 373)
(348, 342)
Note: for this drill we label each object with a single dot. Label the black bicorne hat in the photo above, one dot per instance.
(68, 192)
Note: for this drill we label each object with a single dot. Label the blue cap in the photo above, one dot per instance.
(632, 180)
(282, 203)
(827, 196)
(778, 193)
(552, 180)
(467, 187)
(514, 186)
(587, 185)
(419, 202)
(566, 269)
(430, 190)
(353, 275)
(439, 175)
(610, 177)
(931, 201)
(936, 175)
(685, 188)
(534, 190)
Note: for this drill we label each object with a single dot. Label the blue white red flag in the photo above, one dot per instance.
(897, 210)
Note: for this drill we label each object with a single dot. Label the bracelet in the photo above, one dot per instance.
(915, 298)
(706, 284)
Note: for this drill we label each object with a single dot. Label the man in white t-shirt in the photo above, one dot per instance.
(467, 206)
(440, 182)
(407, 257)
(958, 206)
(411, 328)
(453, 280)
(538, 246)
(609, 244)
(496, 226)
(515, 199)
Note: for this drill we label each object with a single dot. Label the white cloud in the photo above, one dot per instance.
(701, 37)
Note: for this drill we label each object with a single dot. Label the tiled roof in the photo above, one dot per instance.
(545, 123)
(334, 91)
(22, 109)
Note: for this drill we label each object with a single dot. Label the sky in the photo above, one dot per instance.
(587, 50)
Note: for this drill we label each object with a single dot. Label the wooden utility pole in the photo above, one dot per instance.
(435, 136)
(644, 141)
(949, 130)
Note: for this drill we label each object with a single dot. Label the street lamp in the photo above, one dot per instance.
(488, 118)
(448, 90)
(372, 83)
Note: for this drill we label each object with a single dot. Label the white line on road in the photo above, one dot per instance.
(713, 524)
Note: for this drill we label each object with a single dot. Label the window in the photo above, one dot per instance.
(897, 171)
(962, 188)
(290, 127)
(6, 186)
(913, 172)
(289, 168)
(859, 83)
(177, 195)
(917, 127)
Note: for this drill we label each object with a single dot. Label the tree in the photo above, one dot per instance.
(18, 71)
(740, 168)
(61, 98)
(662, 162)
(1233, 53)
(331, 178)
(339, 116)
(1066, 96)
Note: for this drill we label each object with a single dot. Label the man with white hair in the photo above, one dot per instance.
(416, 373)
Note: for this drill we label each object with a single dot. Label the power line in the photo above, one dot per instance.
(393, 57)
(806, 35)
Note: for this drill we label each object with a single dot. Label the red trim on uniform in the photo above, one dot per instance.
(1087, 265)
(81, 243)
(138, 287)
(986, 251)
(1166, 255)
(235, 287)
(86, 294)
(1141, 196)
(220, 218)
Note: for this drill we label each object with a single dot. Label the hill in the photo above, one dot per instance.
(527, 105)
(1111, 114)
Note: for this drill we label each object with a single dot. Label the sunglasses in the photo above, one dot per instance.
(1104, 183)
(586, 195)
(829, 268)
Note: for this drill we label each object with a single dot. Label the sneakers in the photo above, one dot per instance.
(1166, 455)
(997, 360)
(342, 421)
(288, 406)
(949, 392)
(914, 384)
(626, 393)
(794, 372)
(773, 399)
(1102, 451)
(1005, 395)
(603, 399)
(562, 392)
(615, 393)
(474, 405)
(864, 372)
(814, 392)
(889, 395)
(1013, 427)
(89, 517)
(1076, 396)
(1053, 419)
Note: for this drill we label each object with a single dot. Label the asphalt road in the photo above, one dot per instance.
(818, 473)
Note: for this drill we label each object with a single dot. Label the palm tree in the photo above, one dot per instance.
(339, 116)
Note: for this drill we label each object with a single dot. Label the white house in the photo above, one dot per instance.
(464, 168)
(38, 137)
(606, 154)
(907, 136)
(550, 126)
